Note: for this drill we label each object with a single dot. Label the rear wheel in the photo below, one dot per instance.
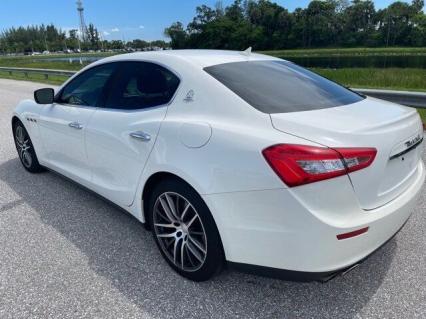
(185, 231)
(25, 149)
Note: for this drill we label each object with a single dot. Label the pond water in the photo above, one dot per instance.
(71, 60)
(376, 61)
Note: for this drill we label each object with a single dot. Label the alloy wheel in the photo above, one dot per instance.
(180, 231)
(23, 145)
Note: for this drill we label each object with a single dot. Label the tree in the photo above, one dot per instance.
(358, 23)
(93, 37)
(177, 35)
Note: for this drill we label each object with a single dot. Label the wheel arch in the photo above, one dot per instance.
(150, 183)
(15, 119)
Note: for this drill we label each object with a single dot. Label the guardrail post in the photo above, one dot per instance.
(46, 76)
(26, 74)
(10, 73)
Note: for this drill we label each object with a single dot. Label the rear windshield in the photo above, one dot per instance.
(281, 86)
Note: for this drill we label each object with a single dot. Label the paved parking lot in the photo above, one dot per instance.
(64, 253)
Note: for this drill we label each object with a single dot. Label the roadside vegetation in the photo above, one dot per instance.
(265, 25)
(38, 63)
(336, 52)
(372, 78)
(53, 80)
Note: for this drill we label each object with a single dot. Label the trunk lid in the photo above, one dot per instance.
(390, 128)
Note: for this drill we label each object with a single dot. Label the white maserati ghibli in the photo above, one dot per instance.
(232, 158)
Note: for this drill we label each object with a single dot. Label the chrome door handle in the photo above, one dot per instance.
(76, 125)
(139, 135)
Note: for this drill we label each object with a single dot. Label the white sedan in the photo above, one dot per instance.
(232, 157)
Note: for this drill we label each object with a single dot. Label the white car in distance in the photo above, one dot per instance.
(232, 157)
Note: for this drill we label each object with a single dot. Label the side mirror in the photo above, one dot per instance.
(44, 96)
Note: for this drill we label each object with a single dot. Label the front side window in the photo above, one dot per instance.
(281, 86)
(86, 89)
(140, 85)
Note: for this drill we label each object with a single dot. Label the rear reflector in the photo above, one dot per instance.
(302, 164)
(352, 233)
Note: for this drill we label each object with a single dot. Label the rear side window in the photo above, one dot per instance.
(281, 86)
(139, 85)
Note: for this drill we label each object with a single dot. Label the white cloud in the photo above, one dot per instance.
(106, 33)
(141, 27)
(115, 30)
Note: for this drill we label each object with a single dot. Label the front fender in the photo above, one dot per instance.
(28, 112)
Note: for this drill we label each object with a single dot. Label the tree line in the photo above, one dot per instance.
(50, 38)
(265, 25)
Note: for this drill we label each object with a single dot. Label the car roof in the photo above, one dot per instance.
(200, 58)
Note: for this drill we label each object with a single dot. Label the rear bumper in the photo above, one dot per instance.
(300, 276)
(295, 230)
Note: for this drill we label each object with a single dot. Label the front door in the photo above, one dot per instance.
(63, 124)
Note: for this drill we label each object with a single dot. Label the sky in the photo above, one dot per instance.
(116, 19)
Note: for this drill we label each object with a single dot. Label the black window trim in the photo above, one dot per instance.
(108, 84)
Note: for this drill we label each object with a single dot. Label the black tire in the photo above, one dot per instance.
(180, 193)
(25, 149)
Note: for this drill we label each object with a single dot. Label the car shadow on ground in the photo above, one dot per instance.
(122, 251)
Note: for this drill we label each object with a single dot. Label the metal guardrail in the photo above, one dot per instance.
(45, 72)
(413, 99)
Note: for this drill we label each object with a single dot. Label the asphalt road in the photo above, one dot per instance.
(65, 253)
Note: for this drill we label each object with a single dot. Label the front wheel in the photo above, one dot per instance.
(185, 231)
(25, 149)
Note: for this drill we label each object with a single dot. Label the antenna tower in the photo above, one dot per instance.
(83, 27)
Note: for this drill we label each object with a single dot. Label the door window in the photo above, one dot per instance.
(140, 85)
(87, 88)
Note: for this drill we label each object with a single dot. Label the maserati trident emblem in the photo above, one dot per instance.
(189, 96)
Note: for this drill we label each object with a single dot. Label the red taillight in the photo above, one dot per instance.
(301, 164)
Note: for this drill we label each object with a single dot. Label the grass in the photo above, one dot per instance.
(326, 52)
(396, 79)
(38, 63)
(392, 78)
(422, 113)
(53, 80)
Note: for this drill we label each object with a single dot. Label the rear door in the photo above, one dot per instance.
(122, 133)
(63, 124)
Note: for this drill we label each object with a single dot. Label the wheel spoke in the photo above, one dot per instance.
(182, 216)
(172, 207)
(197, 243)
(192, 220)
(166, 235)
(20, 144)
(197, 233)
(165, 225)
(168, 244)
(189, 256)
(20, 135)
(175, 248)
(194, 252)
(167, 210)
